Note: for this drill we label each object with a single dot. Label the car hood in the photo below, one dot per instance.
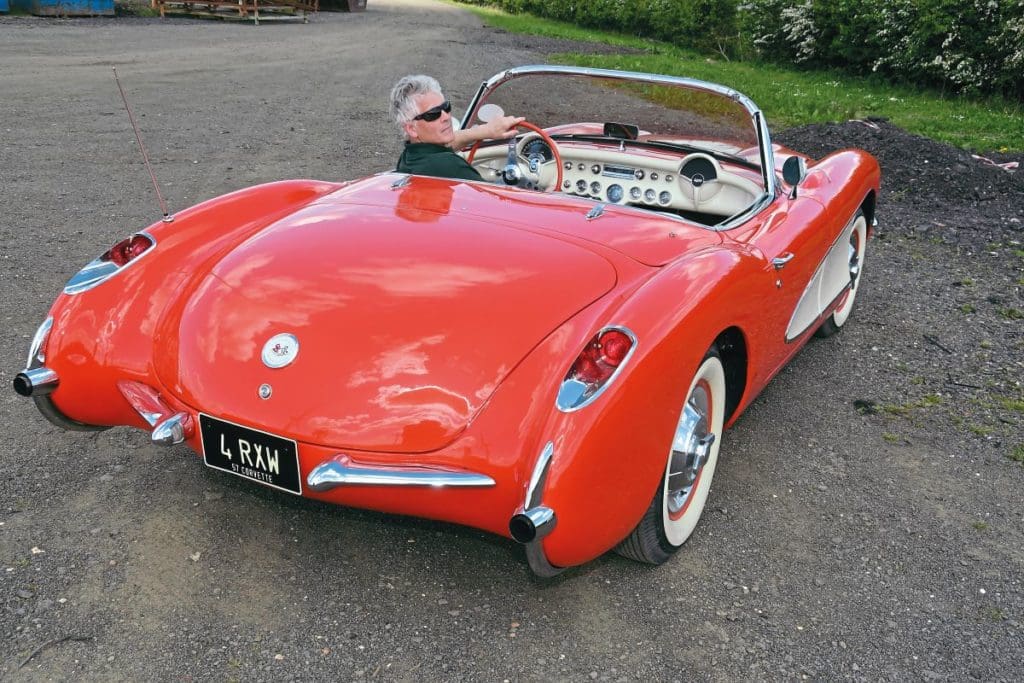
(406, 317)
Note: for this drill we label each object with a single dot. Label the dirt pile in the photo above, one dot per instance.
(929, 189)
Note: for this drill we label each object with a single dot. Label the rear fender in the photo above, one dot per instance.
(107, 332)
(609, 457)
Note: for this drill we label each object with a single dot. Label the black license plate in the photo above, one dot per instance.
(249, 453)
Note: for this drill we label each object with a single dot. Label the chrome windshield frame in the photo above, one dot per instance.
(764, 141)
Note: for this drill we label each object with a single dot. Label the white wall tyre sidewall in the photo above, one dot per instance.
(860, 229)
(678, 530)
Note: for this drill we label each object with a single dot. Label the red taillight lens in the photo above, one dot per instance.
(127, 249)
(595, 365)
(614, 346)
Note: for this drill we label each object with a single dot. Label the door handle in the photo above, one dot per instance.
(780, 261)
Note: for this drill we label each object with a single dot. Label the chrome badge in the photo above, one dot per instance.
(280, 350)
(265, 391)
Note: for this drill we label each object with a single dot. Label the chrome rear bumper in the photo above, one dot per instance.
(343, 471)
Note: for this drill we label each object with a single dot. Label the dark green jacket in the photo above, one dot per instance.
(425, 158)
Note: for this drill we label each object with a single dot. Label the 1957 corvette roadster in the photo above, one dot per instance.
(550, 355)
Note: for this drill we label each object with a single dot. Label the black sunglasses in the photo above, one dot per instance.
(434, 113)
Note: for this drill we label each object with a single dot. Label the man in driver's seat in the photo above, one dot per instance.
(424, 116)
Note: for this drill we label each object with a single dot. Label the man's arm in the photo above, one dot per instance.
(502, 127)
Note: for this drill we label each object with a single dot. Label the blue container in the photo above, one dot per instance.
(65, 8)
(4, 7)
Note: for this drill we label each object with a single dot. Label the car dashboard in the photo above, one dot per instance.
(699, 185)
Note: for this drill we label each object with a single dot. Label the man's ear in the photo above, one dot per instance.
(410, 131)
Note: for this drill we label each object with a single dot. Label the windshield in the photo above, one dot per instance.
(673, 145)
(681, 113)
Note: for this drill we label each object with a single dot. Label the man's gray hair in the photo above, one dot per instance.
(402, 108)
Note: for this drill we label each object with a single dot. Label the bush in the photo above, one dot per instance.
(966, 46)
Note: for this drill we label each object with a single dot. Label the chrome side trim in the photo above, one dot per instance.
(36, 355)
(540, 520)
(342, 471)
(540, 475)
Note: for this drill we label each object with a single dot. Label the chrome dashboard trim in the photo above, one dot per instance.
(343, 471)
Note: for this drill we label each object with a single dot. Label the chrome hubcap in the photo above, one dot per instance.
(854, 260)
(691, 448)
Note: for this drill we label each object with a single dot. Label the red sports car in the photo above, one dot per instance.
(550, 355)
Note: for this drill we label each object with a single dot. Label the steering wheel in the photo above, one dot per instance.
(700, 175)
(519, 171)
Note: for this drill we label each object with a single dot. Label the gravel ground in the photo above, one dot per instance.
(866, 517)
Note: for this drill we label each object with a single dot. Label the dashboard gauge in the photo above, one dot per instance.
(595, 187)
(615, 193)
(537, 148)
(664, 198)
(567, 184)
(650, 196)
(635, 192)
(581, 186)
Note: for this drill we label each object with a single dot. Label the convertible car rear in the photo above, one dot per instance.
(551, 356)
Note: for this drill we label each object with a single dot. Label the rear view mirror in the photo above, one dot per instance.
(489, 112)
(794, 170)
(622, 131)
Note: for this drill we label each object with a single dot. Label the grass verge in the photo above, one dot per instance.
(789, 97)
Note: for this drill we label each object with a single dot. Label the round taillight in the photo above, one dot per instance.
(614, 346)
(137, 245)
(127, 249)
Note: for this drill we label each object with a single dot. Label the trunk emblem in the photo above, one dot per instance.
(280, 350)
(265, 391)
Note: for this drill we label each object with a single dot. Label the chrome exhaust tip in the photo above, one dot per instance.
(532, 525)
(36, 382)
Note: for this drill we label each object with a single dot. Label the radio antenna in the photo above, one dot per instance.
(145, 157)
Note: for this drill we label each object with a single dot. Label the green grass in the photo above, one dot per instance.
(789, 97)
(981, 430)
(1016, 405)
(1017, 454)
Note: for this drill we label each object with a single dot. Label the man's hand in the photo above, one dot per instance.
(501, 128)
